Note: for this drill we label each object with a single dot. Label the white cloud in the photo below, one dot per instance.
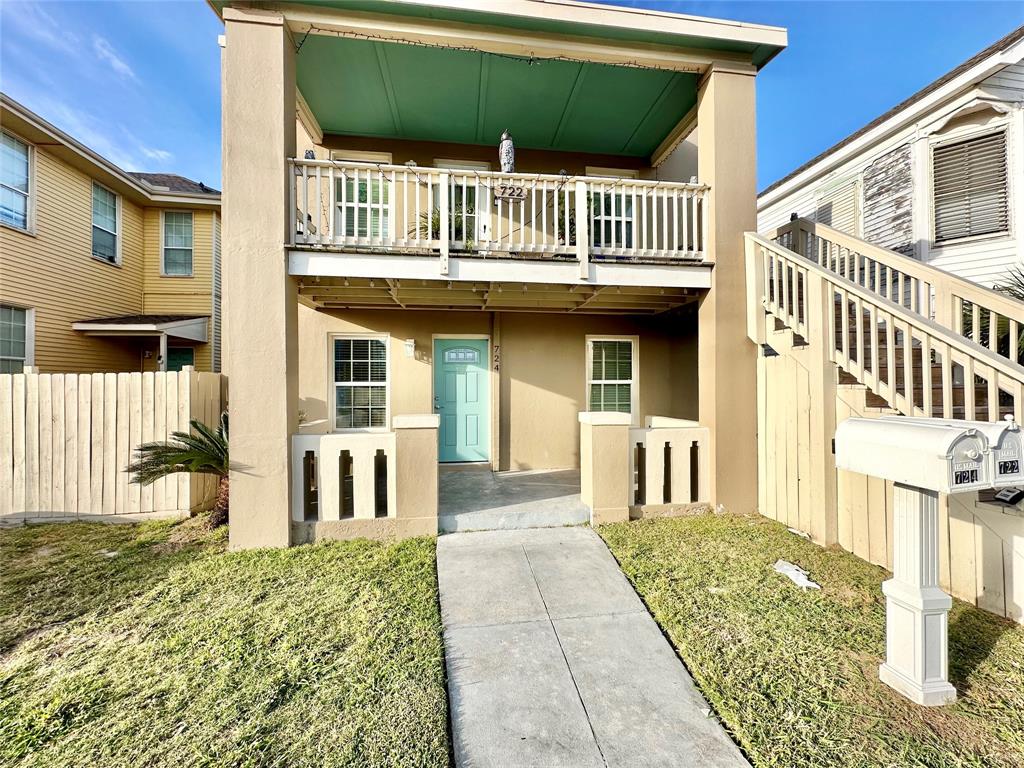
(105, 52)
(34, 23)
(160, 155)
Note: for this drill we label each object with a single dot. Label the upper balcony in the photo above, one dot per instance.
(569, 226)
(624, 144)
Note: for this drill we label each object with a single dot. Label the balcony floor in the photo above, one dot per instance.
(477, 499)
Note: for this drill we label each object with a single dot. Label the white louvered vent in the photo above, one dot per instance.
(837, 207)
(969, 187)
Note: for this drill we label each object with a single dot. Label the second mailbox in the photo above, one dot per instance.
(919, 452)
(1006, 465)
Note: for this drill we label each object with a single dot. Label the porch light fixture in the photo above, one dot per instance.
(410, 347)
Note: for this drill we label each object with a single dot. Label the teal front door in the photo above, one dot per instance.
(461, 397)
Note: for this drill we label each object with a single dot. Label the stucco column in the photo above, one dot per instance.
(605, 484)
(258, 124)
(727, 358)
(416, 468)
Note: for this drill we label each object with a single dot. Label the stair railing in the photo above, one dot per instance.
(989, 318)
(888, 343)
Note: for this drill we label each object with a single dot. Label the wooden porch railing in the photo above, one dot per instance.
(872, 318)
(669, 462)
(989, 318)
(343, 476)
(409, 209)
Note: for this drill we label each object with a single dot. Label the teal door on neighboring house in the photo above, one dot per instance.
(461, 398)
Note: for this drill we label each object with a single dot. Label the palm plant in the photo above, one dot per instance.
(202, 450)
(428, 225)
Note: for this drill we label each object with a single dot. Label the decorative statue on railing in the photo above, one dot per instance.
(507, 153)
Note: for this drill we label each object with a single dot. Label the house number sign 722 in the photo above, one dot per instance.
(509, 192)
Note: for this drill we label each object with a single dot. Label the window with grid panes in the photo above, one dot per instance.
(104, 223)
(178, 226)
(13, 339)
(610, 379)
(360, 383)
(362, 200)
(14, 176)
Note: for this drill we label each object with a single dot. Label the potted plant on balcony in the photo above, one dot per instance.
(428, 225)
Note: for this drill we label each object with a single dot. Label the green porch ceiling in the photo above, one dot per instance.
(489, 15)
(392, 90)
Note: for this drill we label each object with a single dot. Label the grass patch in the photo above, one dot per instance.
(173, 652)
(793, 674)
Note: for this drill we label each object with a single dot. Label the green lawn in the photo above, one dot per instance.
(793, 674)
(149, 645)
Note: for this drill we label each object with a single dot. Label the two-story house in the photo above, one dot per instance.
(938, 177)
(101, 269)
(416, 290)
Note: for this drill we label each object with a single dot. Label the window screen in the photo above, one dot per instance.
(610, 380)
(13, 339)
(14, 182)
(104, 223)
(969, 187)
(360, 383)
(178, 242)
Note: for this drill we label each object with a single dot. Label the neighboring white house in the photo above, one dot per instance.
(939, 177)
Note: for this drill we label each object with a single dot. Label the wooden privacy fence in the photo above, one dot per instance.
(849, 329)
(66, 439)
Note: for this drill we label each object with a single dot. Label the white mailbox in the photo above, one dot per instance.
(1006, 465)
(924, 453)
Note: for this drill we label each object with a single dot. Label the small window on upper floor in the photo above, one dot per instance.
(105, 220)
(15, 172)
(969, 188)
(177, 245)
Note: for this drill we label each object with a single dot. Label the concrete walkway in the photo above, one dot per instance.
(554, 661)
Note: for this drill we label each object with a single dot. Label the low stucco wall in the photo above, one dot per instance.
(539, 386)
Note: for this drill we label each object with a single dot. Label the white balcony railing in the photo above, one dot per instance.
(396, 208)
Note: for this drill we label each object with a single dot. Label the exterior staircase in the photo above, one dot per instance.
(847, 328)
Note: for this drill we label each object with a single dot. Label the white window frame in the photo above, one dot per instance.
(600, 216)
(332, 384)
(963, 135)
(118, 208)
(30, 333)
(352, 207)
(30, 208)
(163, 244)
(634, 382)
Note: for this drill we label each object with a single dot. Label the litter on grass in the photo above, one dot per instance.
(796, 574)
(795, 532)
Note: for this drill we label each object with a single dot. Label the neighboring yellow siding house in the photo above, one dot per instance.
(83, 284)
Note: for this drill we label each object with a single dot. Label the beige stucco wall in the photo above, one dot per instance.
(540, 387)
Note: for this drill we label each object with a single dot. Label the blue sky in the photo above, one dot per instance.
(139, 82)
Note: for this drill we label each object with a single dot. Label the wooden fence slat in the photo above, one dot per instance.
(171, 425)
(45, 497)
(18, 451)
(71, 444)
(184, 482)
(109, 443)
(134, 436)
(84, 444)
(31, 442)
(96, 445)
(146, 503)
(122, 449)
(160, 433)
(57, 438)
(6, 445)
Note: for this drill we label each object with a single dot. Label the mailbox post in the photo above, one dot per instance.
(923, 457)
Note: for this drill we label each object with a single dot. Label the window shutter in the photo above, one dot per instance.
(837, 208)
(969, 187)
